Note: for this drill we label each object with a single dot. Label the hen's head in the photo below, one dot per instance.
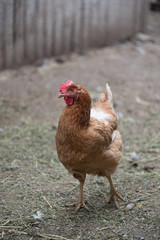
(70, 91)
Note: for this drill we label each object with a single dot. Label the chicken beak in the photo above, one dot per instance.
(61, 95)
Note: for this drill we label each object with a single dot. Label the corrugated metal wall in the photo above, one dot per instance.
(33, 29)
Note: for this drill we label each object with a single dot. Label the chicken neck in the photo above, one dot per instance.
(79, 113)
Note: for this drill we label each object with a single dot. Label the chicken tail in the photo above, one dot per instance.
(107, 95)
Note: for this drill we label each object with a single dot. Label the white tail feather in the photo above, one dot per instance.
(107, 95)
(109, 92)
(98, 112)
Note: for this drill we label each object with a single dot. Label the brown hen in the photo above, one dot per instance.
(87, 140)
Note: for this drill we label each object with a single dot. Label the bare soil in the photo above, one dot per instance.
(31, 176)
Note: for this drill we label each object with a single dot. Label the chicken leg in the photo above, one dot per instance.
(80, 202)
(113, 193)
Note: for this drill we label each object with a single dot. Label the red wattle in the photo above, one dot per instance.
(68, 100)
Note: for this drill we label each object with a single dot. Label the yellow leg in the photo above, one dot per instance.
(80, 202)
(113, 193)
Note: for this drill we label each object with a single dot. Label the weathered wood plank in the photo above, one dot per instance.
(99, 34)
(138, 14)
(67, 26)
(99, 22)
(120, 20)
(30, 29)
(8, 33)
(1, 33)
(95, 29)
(78, 30)
(53, 34)
(126, 19)
(44, 29)
(39, 50)
(59, 27)
(102, 23)
(106, 22)
(144, 13)
(49, 27)
(73, 25)
(18, 30)
(87, 25)
(111, 21)
(82, 27)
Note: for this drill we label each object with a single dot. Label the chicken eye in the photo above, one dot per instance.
(71, 90)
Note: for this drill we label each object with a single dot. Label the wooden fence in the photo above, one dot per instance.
(34, 29)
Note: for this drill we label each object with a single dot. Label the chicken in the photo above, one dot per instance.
(87, 141)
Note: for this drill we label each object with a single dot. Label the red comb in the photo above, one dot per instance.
(65, 85)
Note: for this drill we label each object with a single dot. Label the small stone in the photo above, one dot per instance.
(99, 182)
(2, 202)
(148, 167)
(125, 235)
(130, 206)
(144, 38)
(130, 119)
(1, 130)
(64, 193)
(153, 113)
(157, 150)
(129, 110)
(23, 105)
(54, 126)
(119, 115)
(60, 59)
(134, 156)
(141, 51)
(139, 235)
(117, 103)
(13, 166)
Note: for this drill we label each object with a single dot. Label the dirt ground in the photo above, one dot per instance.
(34, 186)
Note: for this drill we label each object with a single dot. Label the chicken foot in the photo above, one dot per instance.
(113, 193)
(80, 202)
(81, 177)
(78, 205)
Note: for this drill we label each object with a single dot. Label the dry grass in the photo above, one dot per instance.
(38, 182)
